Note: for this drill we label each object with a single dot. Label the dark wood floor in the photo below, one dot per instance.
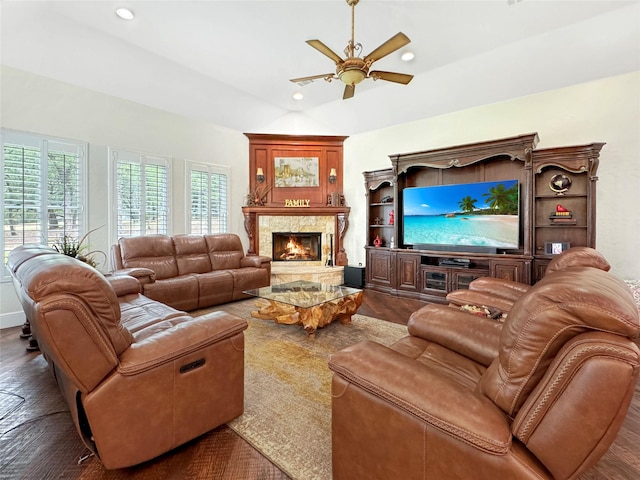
(233, 457)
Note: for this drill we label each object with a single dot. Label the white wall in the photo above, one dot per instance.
(601, 111)
(606, 110)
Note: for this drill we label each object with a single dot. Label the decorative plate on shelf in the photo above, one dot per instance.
(560, 183)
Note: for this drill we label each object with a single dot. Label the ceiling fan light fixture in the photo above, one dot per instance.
(352, 76)
(298, 95)
(354, 68)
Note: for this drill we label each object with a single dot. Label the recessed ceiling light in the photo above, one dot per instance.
(298, 96)
(124, 13)
(407, 56)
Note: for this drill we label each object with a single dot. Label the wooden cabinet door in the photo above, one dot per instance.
(380, 271)
(539, 269)
(435, 280)
(408, 278)
(461, 278)
(511, 269)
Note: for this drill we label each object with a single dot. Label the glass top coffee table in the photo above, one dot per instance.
(310, 304)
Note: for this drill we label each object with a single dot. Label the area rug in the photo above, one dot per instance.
(287, 414)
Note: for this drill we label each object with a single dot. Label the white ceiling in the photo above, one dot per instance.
(228, 62)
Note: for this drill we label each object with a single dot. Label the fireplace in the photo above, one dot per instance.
(261, 222)
(296, 246)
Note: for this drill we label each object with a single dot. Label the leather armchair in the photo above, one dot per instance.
(541, 396)
(140, 377)
(501, 294)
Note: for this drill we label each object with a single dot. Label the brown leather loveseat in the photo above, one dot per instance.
(189, 272)
(541, 396)
(140, 377)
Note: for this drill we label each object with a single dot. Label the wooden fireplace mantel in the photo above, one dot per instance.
(341, 215)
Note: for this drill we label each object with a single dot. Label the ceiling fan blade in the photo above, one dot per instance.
(322, 48)
(399, 40)
(391, 76)
(313, 77)
(349, 91)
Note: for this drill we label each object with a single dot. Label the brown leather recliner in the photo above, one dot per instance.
(501, 294)
(464, 397)
(140, 377)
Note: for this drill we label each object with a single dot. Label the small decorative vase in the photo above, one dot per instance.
(377, 242)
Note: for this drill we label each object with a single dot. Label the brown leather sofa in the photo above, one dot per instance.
(189, 272)
(140, 377)
(541, 396)
(501, 294)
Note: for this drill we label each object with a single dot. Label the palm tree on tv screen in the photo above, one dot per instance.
(467, 204)
(502, 201)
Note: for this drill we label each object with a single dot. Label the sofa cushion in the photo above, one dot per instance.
(226, 260)
(214, 288)
(446, 362)
(555, 310)
(225, 251)
(248, 278)
(178, 292)
(27, 252)
(191, 254)
(139, 313)
(155, 252)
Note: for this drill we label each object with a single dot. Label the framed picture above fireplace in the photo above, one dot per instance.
(296, 172)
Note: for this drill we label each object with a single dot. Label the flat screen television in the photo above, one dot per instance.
(481, 216)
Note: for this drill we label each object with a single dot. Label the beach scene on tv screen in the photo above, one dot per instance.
(475, 214)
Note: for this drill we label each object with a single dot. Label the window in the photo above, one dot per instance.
(208, 194)
(43, 190)
(142, 193)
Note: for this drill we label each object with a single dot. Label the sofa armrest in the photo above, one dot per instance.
(508, 289)
(172, 341)
(258, 261)
(143, 275)
(422, 392)
(477, 338)
(123, 284)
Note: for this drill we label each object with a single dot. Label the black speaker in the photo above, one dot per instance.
(354, 276)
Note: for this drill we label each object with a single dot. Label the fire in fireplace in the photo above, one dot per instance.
(296, 246)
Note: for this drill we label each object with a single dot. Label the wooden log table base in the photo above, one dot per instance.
(310, 318)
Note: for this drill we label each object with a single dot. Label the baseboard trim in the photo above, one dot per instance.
(12, 319)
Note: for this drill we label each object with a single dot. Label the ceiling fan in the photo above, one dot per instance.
(353, 69)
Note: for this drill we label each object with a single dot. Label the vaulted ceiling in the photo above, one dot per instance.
(229, 62)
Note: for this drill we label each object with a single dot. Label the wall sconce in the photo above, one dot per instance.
(332, 175)
(260, 175)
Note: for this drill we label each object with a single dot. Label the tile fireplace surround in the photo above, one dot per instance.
(260, 222)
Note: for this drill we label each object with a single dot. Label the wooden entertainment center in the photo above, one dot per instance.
(557, 211)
